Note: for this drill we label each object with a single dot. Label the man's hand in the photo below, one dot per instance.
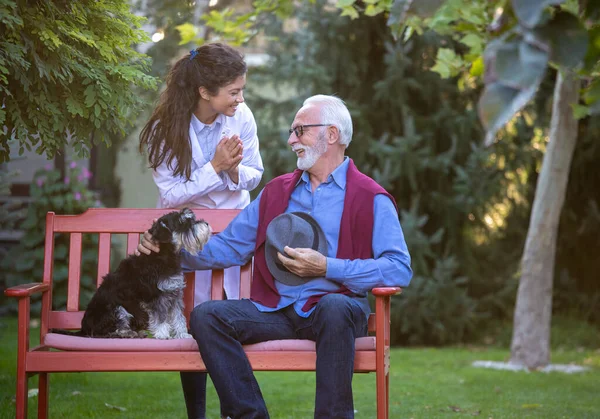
(304, 262)
(228, 154)
(147, 245)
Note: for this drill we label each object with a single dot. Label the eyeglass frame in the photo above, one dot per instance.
(301, 127)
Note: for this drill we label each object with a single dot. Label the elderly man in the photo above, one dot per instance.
(365, 248)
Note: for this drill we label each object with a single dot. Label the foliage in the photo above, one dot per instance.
(417, 135)
(523, 38)
(24, 262)
(10, 211)
(65, 72)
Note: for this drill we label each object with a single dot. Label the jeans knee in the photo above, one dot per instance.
(201, 316)
(334, 310)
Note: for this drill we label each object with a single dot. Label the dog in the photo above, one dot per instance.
(145, 292)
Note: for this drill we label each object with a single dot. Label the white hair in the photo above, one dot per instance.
(333, 111)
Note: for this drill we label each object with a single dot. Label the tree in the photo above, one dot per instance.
(68, 73)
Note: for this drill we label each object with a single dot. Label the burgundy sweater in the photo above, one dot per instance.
(356, 228)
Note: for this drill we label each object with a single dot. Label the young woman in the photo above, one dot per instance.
(203, 148)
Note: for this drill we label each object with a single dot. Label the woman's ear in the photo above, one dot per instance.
(204, 93)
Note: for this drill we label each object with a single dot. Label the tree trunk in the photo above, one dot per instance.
(533, 312)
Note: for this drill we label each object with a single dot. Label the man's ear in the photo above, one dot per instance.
(333, 134)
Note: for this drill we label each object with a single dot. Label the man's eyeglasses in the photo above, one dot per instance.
(299, 130)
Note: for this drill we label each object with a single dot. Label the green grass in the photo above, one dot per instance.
(424, 383)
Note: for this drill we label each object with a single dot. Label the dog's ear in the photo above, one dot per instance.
(161, 232)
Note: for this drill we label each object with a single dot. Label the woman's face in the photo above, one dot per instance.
(228, 97)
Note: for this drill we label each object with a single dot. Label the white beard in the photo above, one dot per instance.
(312, 154)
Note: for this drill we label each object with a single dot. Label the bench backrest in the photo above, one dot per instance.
(106, 223)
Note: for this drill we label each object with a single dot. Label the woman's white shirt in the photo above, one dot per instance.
(206, 188)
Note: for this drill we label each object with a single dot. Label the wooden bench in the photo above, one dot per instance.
(77, 354)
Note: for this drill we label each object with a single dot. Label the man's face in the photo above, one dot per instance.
(229, 97)
(312, 142)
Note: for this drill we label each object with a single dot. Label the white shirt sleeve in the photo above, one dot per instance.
(251, 168)
(176, 191)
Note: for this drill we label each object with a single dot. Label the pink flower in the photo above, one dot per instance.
(77, 196)
(67, 180)
(73, 165)
(86, 173)
(40, 182)
(49, 166)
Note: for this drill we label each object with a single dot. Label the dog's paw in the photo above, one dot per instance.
(183, 336)
(162, 336)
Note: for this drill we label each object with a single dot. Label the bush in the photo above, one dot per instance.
(24, 263)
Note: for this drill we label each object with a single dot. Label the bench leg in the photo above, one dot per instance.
(43, 395)
(22, 348)
(21, 396)
(382, 396)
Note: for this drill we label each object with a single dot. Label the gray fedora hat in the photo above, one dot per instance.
(293, 229)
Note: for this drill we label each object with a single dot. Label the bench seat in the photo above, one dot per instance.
(76, 343)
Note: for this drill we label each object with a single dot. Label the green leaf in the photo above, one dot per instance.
(349, 11)
(477, 67)
(530, 12)
(580, 111)
(591, 94)
(498, 104)
(447, 63)
(344, 3)
(517, 64)
(373, 10)
(187, 33)
(474, 42)
(568, 39)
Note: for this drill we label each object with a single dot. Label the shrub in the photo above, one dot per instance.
(24, 263)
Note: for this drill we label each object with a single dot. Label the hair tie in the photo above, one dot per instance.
(193, 54)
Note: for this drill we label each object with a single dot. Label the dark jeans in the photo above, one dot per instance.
(194, 392)
(222, 327)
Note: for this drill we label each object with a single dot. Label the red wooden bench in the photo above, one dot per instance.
(77, 354)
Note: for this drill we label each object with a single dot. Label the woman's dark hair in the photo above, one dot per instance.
(166, 135)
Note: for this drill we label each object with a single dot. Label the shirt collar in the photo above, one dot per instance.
(199, 125)
(338, 175)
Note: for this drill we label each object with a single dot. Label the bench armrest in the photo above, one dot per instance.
(26, 290)
(385, 291)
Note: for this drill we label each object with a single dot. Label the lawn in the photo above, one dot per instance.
(424, 383)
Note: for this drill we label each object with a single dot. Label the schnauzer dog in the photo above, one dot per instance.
(146, 291)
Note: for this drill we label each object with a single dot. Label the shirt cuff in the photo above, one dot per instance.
(230, 185)
(335, 268)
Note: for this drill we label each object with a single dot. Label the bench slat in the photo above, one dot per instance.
(133, 239)
(128, 220)
(74, 272)
(45, 361)
(216, 291)
(103, 256)
(245, 280)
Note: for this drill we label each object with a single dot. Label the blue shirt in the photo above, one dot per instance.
(390, 266)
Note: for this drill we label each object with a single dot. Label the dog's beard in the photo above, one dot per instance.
(312, 154)
(193, 240)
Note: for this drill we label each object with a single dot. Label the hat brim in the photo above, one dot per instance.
(278, 270)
